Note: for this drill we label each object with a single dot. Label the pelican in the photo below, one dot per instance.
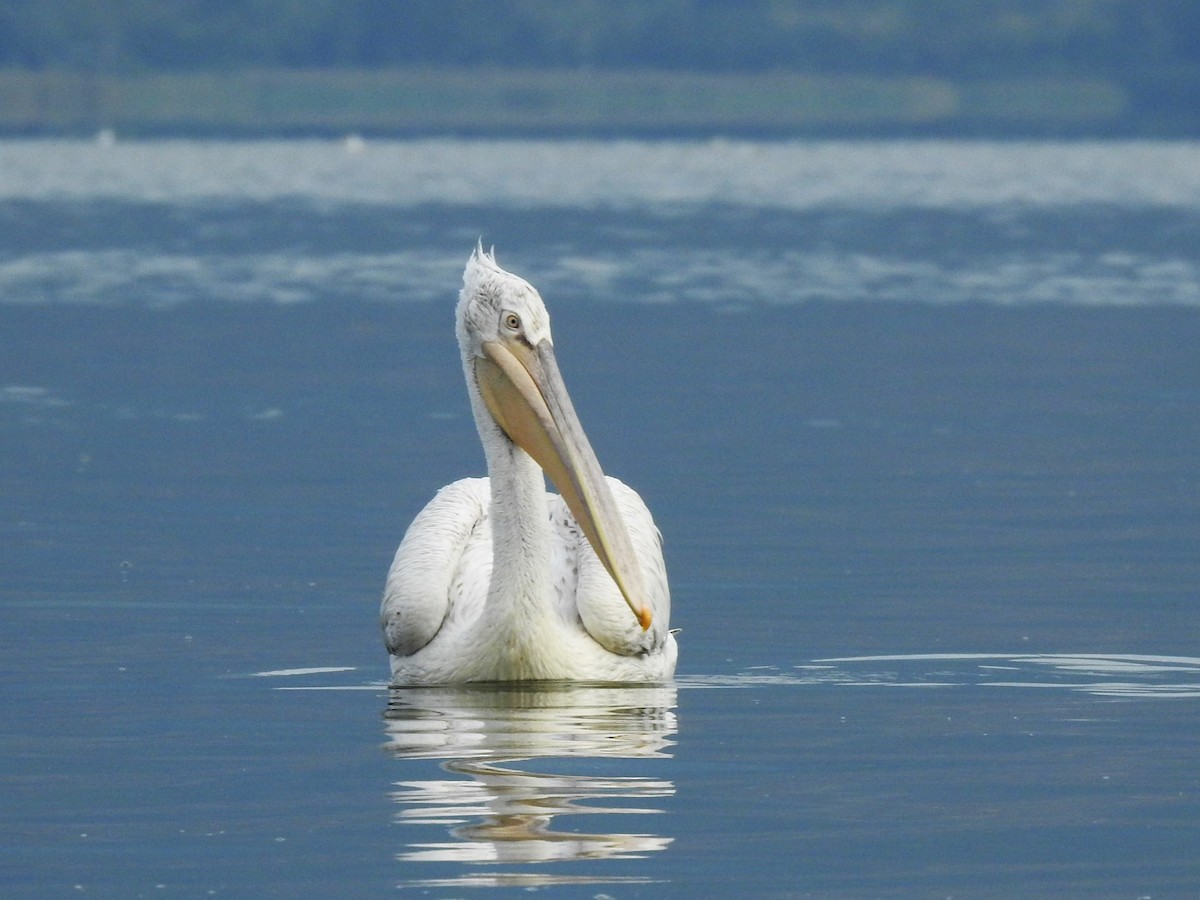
(498, 580)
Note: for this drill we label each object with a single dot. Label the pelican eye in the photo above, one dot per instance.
(512, 321)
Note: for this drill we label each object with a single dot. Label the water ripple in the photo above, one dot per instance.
(724, 278)
(611, 174)
(1120, 675)
(553, 710)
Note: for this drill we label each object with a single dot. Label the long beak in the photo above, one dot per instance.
(524, 392)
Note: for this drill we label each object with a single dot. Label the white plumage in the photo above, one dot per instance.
(497, 579)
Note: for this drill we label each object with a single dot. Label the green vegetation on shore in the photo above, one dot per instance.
(479, 101)
(993, 67)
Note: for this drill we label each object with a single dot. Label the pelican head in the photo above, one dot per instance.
(518, 396)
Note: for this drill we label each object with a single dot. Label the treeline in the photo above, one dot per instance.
(961, 39)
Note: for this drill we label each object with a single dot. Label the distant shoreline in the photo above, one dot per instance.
(565, 102)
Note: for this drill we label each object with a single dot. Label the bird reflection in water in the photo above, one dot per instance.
(501, 814)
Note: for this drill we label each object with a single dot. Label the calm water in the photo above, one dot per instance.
(918, 421)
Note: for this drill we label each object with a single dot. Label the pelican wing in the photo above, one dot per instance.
(441, 568)
(593, 594)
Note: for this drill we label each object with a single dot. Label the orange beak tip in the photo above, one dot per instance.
(645, 619)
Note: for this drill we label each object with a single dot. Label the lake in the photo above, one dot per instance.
(918, 422)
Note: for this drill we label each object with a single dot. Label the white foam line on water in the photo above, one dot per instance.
(830, 671)
(800, 174)
(309, 670)
(1137, 661)
(917, 657)
(840, 672)
(707, 276)
(738, 681)
(381, 686)
(1116, 662)
(1109, 688)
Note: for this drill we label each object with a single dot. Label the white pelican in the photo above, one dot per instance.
(498, 580)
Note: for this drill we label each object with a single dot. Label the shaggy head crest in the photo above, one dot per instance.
(488, 292)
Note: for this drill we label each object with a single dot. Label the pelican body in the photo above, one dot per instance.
(498, 580)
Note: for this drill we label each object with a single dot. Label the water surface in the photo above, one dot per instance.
(916, 419)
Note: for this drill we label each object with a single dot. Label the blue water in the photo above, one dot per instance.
(917, 420)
